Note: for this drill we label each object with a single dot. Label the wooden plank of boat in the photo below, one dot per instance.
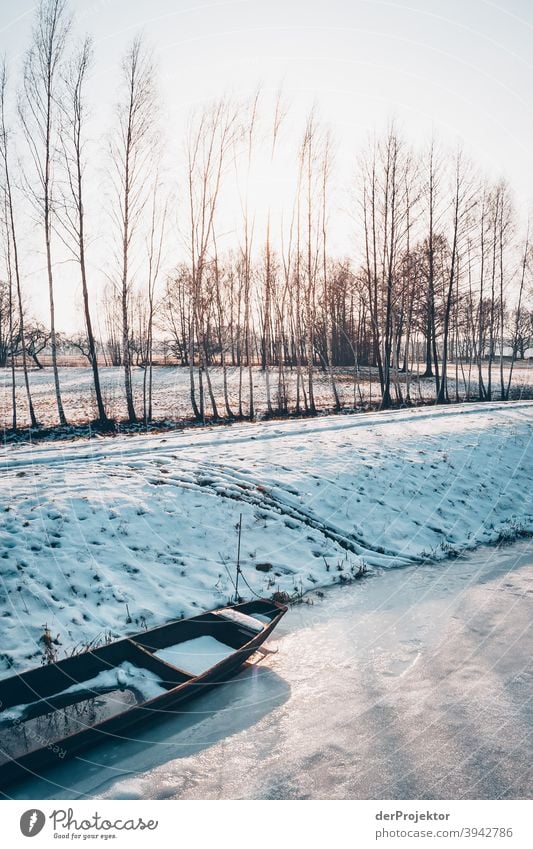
(55, 711)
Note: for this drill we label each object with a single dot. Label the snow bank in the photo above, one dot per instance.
(109, 535)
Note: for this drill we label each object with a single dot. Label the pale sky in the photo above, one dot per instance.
(460, 68)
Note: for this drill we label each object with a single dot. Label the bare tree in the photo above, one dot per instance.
(131, 149)
(210, 140)
(311, 252)
(11, 236)
(326, 293)
(8, 334)
(222, 296)
(386, 216)
(38, 109)
(112, 336)
(38, 338)
(505, 226)
(155, 242)
(245, 266)
(73, 211)
(519, 309)
(270, 268)
(432, 172)
(463, 201)
(370, 216)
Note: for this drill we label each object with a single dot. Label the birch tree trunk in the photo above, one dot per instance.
(38, 109)
(11, 235)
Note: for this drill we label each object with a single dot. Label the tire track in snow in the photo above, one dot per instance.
(225, 482)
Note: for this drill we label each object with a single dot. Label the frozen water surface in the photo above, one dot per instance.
(415, 683)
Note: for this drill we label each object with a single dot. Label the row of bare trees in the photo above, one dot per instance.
(436, 279)
(51, 115)
(440, 275)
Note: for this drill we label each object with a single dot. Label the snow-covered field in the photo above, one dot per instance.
(105, 536)
(172, 398)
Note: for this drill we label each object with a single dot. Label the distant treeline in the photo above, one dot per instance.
(439, 272)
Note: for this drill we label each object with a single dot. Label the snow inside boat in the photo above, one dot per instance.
(54, 711)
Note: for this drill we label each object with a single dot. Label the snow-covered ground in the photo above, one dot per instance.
(172, 396)
(105, 536)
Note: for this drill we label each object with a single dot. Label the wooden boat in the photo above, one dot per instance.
(52, 712)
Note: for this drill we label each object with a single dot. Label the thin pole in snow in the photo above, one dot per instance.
(239, 527)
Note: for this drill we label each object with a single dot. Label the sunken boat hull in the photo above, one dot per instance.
(53, 712)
